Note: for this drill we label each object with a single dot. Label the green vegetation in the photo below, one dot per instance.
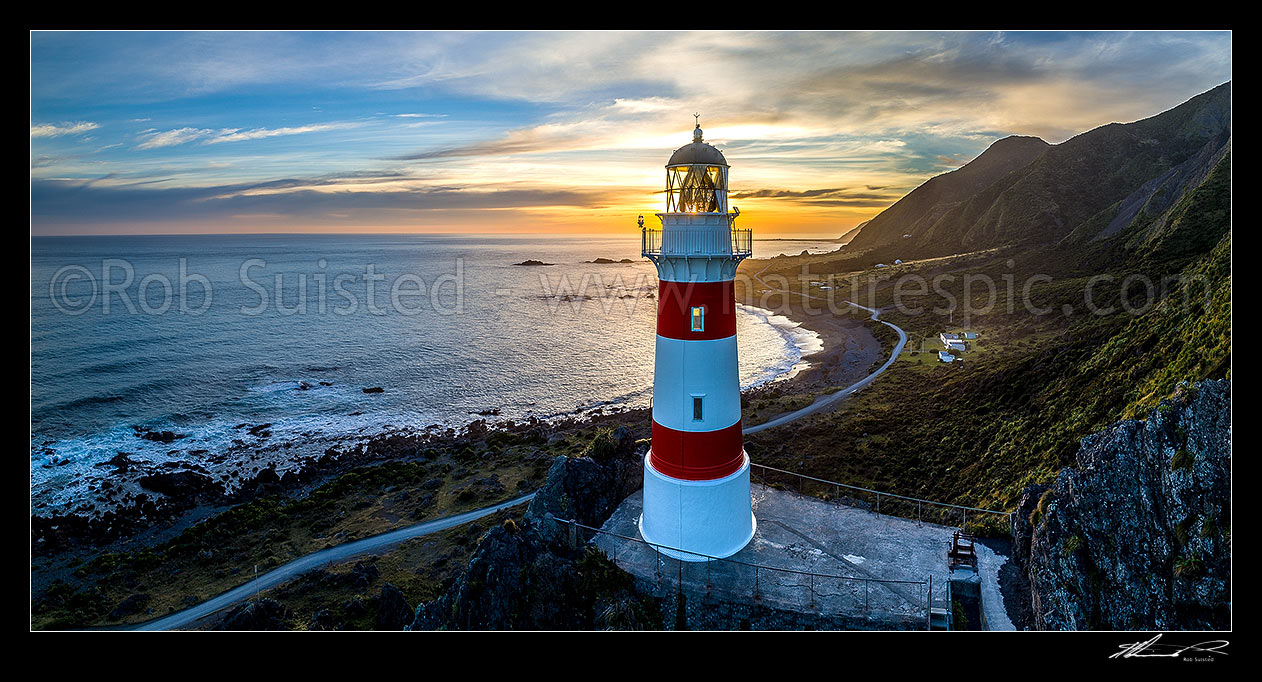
(617, 604)
(1118, 317)
(1041, 508)
(959, 617)
(1181, 531)
(978, 433)
(602, 447)
(221, 552)
(418, 568)
(1188, 566)
(1182, 460)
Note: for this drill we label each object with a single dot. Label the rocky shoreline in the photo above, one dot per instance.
(157, 501)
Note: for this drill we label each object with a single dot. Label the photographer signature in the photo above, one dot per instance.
(1151, 649)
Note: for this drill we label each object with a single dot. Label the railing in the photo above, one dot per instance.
(894, 597)
(942, 513)
(698, 242)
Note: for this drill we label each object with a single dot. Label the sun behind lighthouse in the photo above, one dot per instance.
(696, 475)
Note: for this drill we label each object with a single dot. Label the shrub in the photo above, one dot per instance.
(1181, 531)
(602, 446)
(1037, 515)
(1182, 460)
(1188, 567)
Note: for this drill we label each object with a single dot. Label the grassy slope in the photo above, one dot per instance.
(1014, 414)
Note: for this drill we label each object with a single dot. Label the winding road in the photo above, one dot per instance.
(367, 545)
(826, 401)
(315, 559)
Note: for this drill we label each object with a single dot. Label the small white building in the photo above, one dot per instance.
(944, 356)
(957, 345)
(971, 336)
(946, 339)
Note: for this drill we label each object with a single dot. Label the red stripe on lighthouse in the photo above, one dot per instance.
(675, 301)
(697, 455)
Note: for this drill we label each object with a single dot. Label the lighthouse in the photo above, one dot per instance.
(696, 474)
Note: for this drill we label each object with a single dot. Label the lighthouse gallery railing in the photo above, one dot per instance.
(697, 242)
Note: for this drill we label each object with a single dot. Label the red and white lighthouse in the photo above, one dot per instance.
(696, 475)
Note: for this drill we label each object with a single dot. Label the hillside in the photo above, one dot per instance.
(916, 213)
(1089, 187)
(1013, 413)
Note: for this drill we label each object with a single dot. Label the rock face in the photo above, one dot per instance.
(1138, 535)
(261, 614)
(529, 575)
(393, 612)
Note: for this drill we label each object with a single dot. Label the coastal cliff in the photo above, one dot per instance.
(1138, 535)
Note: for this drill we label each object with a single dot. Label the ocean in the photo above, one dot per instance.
(201, 334)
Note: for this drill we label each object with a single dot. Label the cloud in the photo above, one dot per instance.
(840, 110)
(838, 196)
(542, 138)
(60, 202)
(54, 130)
(261, 133)
(169, 138)
(646, 105)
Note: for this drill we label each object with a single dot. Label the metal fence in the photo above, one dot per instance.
(735, 580)
(924, 511)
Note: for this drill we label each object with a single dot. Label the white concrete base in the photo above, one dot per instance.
(711, 518)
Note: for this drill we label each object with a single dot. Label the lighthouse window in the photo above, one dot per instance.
(698, 319)
(696, 408)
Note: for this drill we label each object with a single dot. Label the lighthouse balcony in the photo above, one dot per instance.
(717, 241)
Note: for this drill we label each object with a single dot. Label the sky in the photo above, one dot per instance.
(481, 132)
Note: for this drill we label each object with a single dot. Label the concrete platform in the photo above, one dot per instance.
(865, 565)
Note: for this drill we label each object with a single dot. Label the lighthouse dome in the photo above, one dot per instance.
(697, 152)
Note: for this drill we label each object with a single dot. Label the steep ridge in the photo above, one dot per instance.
(1090, 186)
(917, 211)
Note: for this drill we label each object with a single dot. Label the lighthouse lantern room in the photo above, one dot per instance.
(696, 474)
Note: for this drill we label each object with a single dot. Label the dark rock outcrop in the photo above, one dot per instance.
(260, 614)
(182, 484)
(528, 574)
(1138, 535)
(121, 462)
(393, 612)
(160, 436)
